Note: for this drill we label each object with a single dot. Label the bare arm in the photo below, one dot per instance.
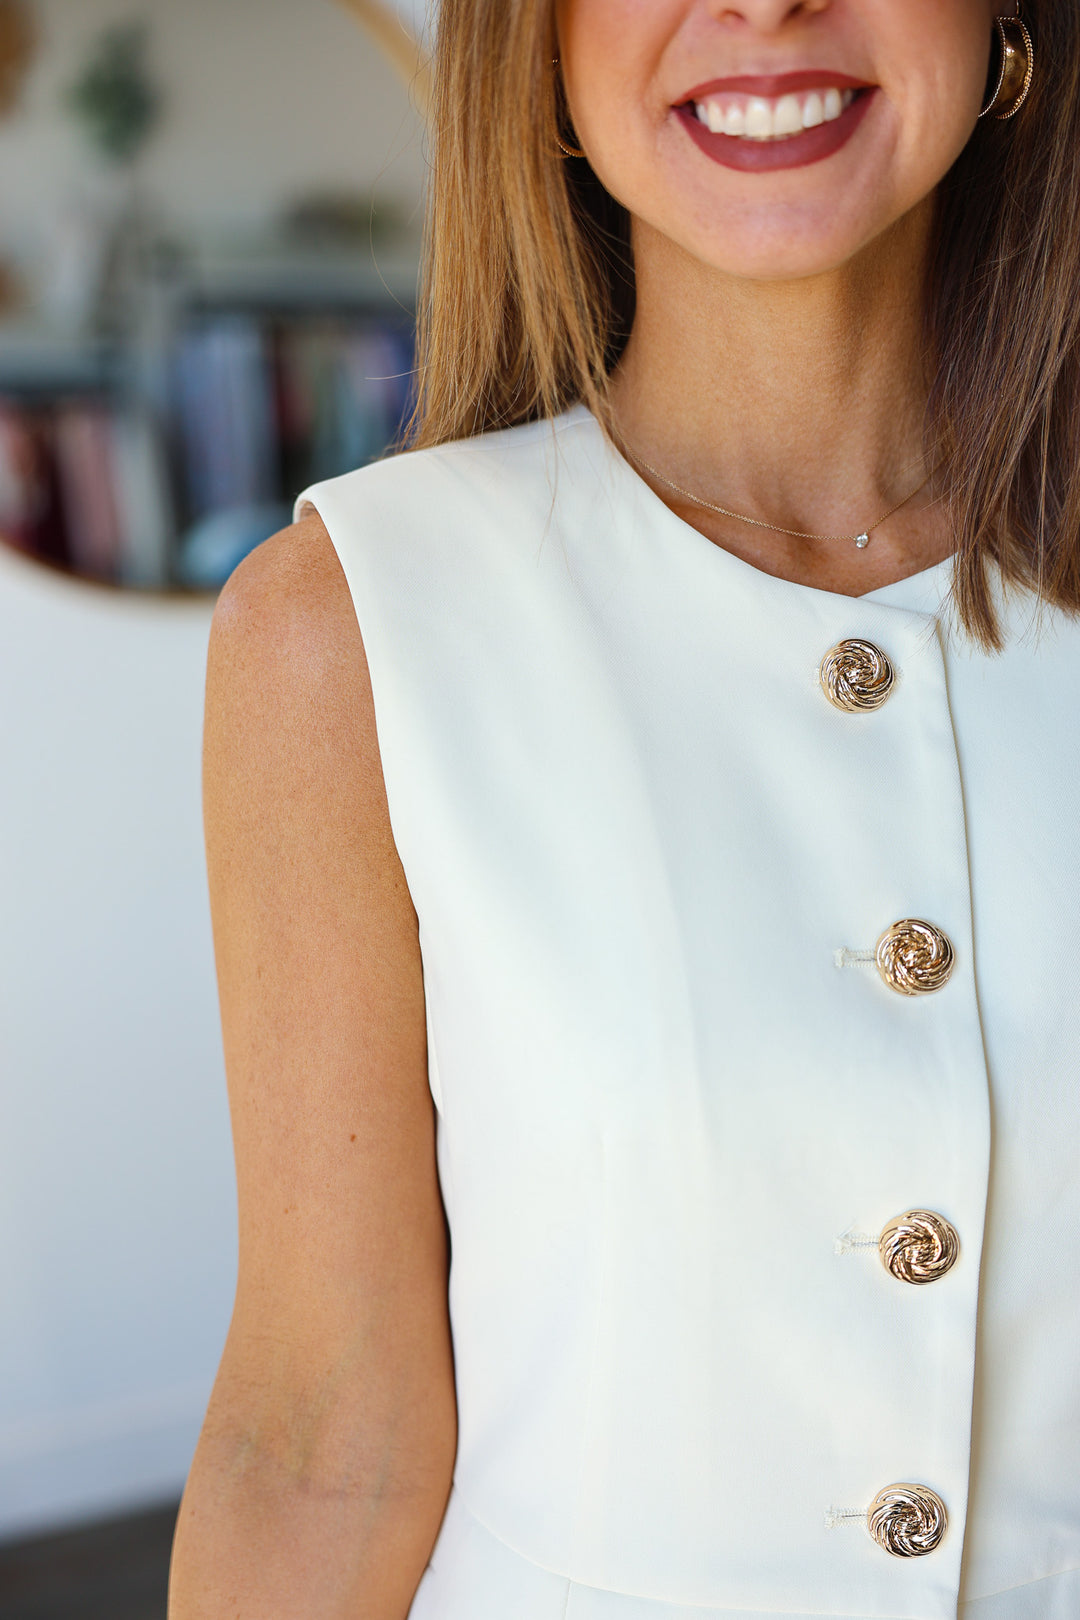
(325, 1461)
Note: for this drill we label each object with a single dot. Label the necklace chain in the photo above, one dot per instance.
(862, 539)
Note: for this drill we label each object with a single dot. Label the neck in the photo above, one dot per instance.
(800, 404)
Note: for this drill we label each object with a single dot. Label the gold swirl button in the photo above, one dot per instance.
(856, 676)
(909, 1521)
(919, 1246)
(914, 958)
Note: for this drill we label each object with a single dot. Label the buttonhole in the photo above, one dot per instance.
(835, 1517)
(845, 957)
(850, 1242)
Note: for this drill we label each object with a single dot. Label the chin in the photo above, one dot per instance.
(786, 260)
(788, 226)
(784, 244)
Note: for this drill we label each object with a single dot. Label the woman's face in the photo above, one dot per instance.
(772, 139)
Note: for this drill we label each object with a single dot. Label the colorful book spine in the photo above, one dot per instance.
(225, 409)
(144, 501)
(83, 435)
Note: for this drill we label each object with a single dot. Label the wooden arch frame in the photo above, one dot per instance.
(399, 43)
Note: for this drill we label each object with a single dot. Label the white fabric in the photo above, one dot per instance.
(636, 835)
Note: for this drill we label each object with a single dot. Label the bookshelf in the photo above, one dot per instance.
(153, 454)
(223, 375)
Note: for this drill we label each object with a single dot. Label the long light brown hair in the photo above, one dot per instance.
(527, 294)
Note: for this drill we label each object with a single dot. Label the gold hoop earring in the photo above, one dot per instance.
(567, 151)
(1016, 69)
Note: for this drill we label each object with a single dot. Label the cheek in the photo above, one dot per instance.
(934, 55)
(937, 89)
(610, 51)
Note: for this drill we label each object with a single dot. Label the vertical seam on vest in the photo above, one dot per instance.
(594, 1352)
(940, 633)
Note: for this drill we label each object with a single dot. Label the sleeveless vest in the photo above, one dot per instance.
(748, 916)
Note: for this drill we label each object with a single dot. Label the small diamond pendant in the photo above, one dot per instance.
(862, 540)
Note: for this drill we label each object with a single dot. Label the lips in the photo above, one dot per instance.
(757, 123)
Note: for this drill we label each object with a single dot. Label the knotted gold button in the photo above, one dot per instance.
(914, 958)
(909, 1521)
(856, 676)
(919, 1246)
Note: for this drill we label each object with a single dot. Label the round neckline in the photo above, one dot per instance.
(922, 592)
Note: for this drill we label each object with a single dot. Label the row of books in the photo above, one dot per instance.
(84, 484)
(265, 410)
(252, 410)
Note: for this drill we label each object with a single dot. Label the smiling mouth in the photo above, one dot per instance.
(771, 118)
(765, 122)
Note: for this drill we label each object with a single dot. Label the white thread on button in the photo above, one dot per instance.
(835, 1517)
(845, 957)
(850, 1242)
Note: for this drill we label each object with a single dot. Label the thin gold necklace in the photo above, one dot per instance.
(862, 539)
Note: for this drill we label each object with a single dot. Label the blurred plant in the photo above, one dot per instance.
(115, 98)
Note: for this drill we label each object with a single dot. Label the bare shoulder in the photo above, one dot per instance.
(293, 579)
(284, 631)
(301, 857)
(288, 702)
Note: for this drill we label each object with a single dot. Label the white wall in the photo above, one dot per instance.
(117, 1247)
(265, 99)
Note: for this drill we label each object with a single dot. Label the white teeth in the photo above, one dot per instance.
(787, 117)
(757, 118)
(813, 112)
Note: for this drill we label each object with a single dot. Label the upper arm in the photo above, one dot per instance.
(340, 1339)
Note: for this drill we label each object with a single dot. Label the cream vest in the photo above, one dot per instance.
(653, 843)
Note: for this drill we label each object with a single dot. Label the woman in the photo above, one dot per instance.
(714, 868)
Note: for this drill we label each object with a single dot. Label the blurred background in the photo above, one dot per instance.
(209, 225)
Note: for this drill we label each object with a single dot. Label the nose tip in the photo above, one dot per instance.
(767, 16)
